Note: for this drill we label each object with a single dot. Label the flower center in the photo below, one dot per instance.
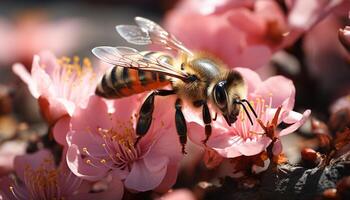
(73, 67)
(244, 128)
(119, 148)
(44, 183)
(74, 79)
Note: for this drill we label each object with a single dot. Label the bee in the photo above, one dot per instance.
(193, 77)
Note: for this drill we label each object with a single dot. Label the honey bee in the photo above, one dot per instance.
(193, 77)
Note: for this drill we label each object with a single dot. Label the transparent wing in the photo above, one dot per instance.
(129, 57)
(134, 35)
(149, 32)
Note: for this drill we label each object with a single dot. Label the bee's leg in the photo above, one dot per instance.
(207, 122)
(145, 117)
(180, 124)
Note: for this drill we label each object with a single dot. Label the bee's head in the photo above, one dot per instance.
(228, 96)
(224, 102)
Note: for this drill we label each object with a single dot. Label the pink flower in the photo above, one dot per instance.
(237, 31)
(39, 178)
(242, 138)
(101, 143)
(59, 85)
(32, 32)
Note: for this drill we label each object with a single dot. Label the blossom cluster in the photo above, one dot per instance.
(98, 136)
(100, 155)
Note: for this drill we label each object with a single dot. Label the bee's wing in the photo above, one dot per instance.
(129, 57)
(149, 32)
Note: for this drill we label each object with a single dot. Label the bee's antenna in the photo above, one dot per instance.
(245, 109)
(250, 106)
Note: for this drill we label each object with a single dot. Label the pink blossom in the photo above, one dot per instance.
(237, 31)
(242, 138)
(101, 143)
(31, 33)
(59, 85)
(39, 178)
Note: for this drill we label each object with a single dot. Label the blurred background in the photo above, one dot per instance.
(67, 27)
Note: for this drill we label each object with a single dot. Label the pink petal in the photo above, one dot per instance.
(92, 141)
(68, 105)
(164, 140)
(162, 104)
(162, 133)
(34, 161)
(48, 61)
(71, 184)
(280, 89)
(192, 114)
(42, 80)
(95, 114)
(271, 112)
(80, 168)
(164, 137)
(247, 148)
(290, 117)
(61, 129)
(22, 72)
(125, 107)
(169, 178)
(227, 144)
(195, 133)
(299, 120)
(115, 191)
(147, 174)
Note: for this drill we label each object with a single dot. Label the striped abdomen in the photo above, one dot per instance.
(122, 81)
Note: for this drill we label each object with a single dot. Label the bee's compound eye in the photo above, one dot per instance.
(220, 94)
